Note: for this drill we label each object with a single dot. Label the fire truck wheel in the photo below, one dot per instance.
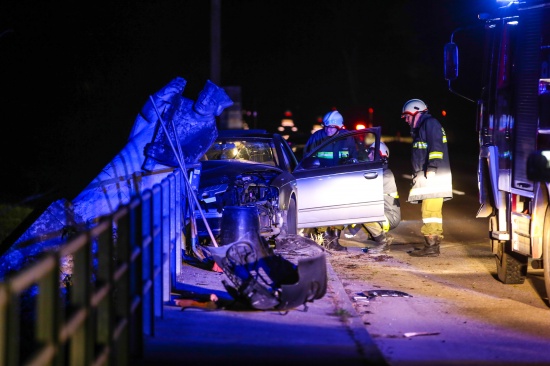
(546, 253)
(511, 267)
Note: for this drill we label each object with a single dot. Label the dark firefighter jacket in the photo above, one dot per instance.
(333, 154)
(430, 154)
(315, 140)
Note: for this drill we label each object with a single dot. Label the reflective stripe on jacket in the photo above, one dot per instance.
(332, 154)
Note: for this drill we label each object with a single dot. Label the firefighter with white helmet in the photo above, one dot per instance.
(333, 124)
(341, 152)
(432, 180)
(384, 152)
(333, 118)
(413, 107)
(392, 209)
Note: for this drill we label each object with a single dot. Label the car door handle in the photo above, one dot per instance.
(371, 175)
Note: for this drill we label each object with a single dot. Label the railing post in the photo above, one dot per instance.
(158, 256)
(166, 241)
(107, 238)
(122, 283)
(79, 291)
(135, 314)
(3, 323)
(147, 254)
(176, 225)
(179, 207)
(124, 269)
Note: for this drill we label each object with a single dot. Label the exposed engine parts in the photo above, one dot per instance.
(247, 190)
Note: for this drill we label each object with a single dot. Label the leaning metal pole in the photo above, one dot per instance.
(181, 164)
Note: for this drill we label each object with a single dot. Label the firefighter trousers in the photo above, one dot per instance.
(432, 216)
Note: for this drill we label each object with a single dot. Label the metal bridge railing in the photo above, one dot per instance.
(123, 269)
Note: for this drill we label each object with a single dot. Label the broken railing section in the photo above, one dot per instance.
(142, 163)
(191, 124)
(184, 131)
(291, 275)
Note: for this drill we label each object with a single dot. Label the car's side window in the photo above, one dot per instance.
(365, 145)
(288, 155)
(336, 152)
(348, 148)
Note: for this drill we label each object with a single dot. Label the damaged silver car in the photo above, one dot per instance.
(246, 168)
(258, 169)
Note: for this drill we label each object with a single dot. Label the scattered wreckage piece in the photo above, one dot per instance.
(385, 293)
(407, 335)
(189, 303)
(213, 303)
(265, 278)
(361, 299)
(416, 334)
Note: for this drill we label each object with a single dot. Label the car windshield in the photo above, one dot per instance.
(244, 150)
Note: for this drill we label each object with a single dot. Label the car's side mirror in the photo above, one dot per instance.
(538, 167)
(311, 162)
(451, 61)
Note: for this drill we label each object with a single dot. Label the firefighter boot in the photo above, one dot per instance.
(331, 237)
(383, 243)
(431, 248)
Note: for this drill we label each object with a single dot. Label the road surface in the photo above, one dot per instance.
(448, 310)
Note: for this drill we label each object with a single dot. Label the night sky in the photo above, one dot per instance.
(75, 74)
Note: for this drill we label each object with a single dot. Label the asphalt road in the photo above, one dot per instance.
(450, 310)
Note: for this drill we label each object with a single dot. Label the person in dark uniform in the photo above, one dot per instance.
(333, 124)
(432, 180)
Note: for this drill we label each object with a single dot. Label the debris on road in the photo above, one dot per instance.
(385, 293)
(416, 334)
(264, 278)
(188, 303)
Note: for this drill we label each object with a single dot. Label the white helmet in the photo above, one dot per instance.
(384, 151)
(413, 107)
(333, 118)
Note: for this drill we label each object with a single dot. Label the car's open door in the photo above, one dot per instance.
(338, 184)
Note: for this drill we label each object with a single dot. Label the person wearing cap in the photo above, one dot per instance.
(378, 231)
(431, 179)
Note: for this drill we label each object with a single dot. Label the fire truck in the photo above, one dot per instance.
(513, 123)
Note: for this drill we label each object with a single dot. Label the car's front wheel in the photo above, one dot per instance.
(290, 225)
